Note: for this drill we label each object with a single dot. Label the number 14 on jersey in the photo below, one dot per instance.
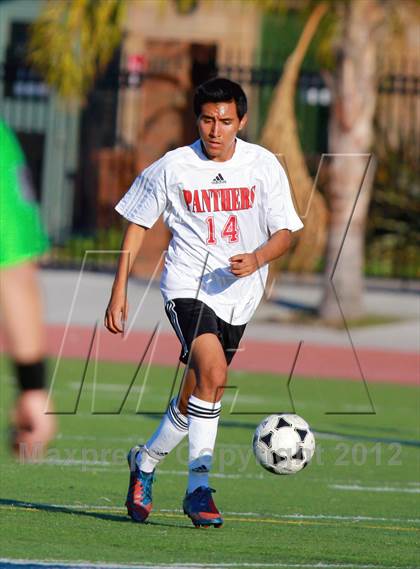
(230, 231)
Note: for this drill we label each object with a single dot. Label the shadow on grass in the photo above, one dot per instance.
(75, 512)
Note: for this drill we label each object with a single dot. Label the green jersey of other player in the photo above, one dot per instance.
(22, 236)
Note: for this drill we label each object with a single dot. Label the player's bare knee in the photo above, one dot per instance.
(214, 377)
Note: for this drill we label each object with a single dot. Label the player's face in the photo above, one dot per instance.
(218, 125)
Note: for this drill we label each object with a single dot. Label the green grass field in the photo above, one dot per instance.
(356, 505)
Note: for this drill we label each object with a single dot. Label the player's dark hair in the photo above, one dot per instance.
(218, 90)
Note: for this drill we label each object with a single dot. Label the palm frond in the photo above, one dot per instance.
(72, 41)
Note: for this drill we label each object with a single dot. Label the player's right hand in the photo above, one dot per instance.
(116, 313)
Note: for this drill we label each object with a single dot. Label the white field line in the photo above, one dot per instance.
(134, 438)
(84, 565)
(131, 416)
(107, 467)
(74, 462)
(358, 488)
(103, 467)
(103, 388)
(101, 507)
(131, 440)
(105, 464)
(311, 517)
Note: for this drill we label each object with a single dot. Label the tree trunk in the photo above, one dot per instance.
(354, 89)
(280, 135)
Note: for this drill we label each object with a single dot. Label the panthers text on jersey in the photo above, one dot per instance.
(214, 210)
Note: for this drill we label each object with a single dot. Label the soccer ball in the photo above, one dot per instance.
(283, 444)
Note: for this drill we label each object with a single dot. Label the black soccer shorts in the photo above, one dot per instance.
(190, 318)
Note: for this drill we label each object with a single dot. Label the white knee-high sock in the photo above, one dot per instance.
(203, 420)
(170, 432)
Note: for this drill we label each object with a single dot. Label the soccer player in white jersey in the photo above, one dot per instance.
(228, 206)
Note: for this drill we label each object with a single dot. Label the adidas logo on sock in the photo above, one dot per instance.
(218, 179)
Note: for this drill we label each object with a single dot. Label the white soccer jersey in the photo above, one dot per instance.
(214, 210)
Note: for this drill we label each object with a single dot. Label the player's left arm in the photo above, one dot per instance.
(245, 264)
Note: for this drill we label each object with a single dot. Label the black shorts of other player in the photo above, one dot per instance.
(190, 318)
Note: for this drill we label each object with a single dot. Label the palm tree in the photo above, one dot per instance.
(353, 81)
(354, 88)
(280, 135)
(72, 41)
